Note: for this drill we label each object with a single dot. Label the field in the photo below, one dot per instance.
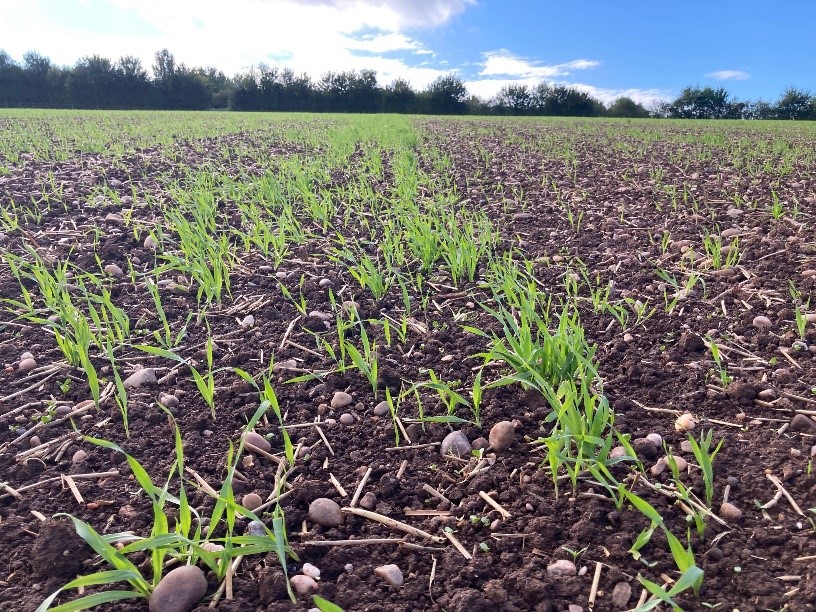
(209, 321)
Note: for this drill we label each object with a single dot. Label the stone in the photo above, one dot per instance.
(456, 444)
(145, 376)
(325, 512)
(79, 456)
(368, 501)
(150, 243)
(255, 528)
(179, 590)
(303, 585)
(341, 399)
(501, 435)
(324, 283)
(802, 423)
(311, 571)
(168, 400)
(346, 419)
(390, 573)
(252, 438)
(27, 364)
(113, 219)
(480, 444)
(645, 447)
(114, 270)
(562, 567)
(247, 322)
(250, 501)
(382, 409)
(730, 512)
(761, 322)
(621, 595)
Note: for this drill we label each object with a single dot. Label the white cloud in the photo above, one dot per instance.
(311, 36)
(729, 75)
(504, 63)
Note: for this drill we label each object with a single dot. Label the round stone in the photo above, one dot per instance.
(255, 439)
(27, 364)
(502, 435)
(761, 322)
(250, 501)
(179, 590)
(346, 419)
(341, 399)
(456, 444)
(325, 512)
(303, 585)
(381, 409)
(390, 573)
(562, 567)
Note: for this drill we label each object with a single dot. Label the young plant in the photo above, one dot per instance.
(705, 459)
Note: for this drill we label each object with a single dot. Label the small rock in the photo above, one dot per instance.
(320, 316)
(685, 422)
(767, 395)
(346, 419)
(686, 447)
(34, 441)
(212, 547)
(761, 322)
(250, 501)
(682, 464)
(658, 467)
(303, 585)
(248, 322)
(114, 271)
(27, 364)
(255, 439)
(480, 444)
(382, 409)
(369, 501)
(803, 423)
(618, 452)
(324, 283)
(79, 456)
(113, 219)
(341, 399)
(716, 554)
(145, 376)
(456, 444)
(730, 512)
(179, 590)
(575, 608)
(311, 571)
(733, 482)
(390, 573)
(150, 243)
(168, 400)
(656, 439)
(255, 528)
(562, 567)
(627, 337)
(621, 595)
(502, 435)
(325, 512)
(348, 567)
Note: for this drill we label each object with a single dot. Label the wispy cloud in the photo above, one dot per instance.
(504, 63)
(399, 13)
(729, 75)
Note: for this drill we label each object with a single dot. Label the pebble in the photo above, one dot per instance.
(645, 447)
(390, 573)
(501, 435)
(113, 218)
(480, 444)
(346, 419)
(257, 440)
(627, 337)
(325, 512)
(303, 585)
(801, 422)
(382, 409)
(733, 482)
(716, 554)
(320, 316)
(247, 322)
(685, 422)
(34, 441)
(761, 322)
(369, 501)
(250, 501)
(730, 512)
(767, 394)
(562, 567)
(348, 567)
(145, 376)
(575, 608)
(455, 443)
(150, 243)
(179, 590)
(311, 571)
(324, 283)
(686, 447)
(168, 400)
(341, 399)
(212, 547)
(27, 355)
(79, 456)
(621, 595)
(255, 528)
(27, 364)
(618, 452)
(656, 439)
(114, 270)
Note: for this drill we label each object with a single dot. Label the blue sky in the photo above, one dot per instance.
(646, 50)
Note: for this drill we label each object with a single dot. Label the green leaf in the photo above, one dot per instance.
(324, 605)
(88, 602)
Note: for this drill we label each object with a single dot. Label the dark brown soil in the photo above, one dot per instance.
(517, 173)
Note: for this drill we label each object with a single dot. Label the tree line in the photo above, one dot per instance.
(98, 82)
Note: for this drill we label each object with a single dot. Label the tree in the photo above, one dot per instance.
(446, 96)
(696, 103)
(626, 107)
(398, 97)
(513, 100)
(796, 104)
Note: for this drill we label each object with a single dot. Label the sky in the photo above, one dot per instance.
(644, 50)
